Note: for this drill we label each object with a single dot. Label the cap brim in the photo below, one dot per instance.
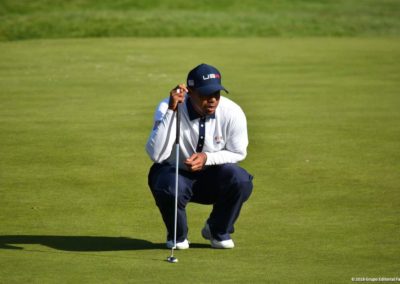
(210, 89)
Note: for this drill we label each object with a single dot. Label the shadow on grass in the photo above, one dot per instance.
(83, 243)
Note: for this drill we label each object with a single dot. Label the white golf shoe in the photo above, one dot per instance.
(181, 245)
(226, 244)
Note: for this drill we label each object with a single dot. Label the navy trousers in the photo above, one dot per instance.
(225, 186)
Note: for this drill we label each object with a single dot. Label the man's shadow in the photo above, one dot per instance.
(82, 243)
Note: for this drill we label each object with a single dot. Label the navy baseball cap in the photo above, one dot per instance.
(205, 79)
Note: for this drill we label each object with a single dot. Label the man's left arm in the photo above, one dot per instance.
(236, 146)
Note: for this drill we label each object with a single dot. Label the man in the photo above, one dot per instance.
(213, 138)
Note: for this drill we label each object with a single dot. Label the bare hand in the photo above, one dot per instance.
(196, 162)
(176, 96)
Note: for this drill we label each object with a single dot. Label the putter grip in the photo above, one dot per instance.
(178, 122)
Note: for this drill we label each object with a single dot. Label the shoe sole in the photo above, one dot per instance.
(218, 246)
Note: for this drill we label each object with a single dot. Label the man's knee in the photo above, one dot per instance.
(162, 185)
(233, 174)
(237, 179)
(161, 178)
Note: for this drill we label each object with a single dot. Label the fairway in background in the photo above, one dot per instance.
(323, 117)
(25, 19)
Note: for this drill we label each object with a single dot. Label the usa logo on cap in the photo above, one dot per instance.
(211, 76)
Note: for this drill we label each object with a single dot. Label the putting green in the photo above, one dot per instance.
(324, 127)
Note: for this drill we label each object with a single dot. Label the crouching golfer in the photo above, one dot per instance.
(213, 138)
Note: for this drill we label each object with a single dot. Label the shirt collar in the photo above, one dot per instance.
(192, 113)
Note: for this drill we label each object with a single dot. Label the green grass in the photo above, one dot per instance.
(26, 19)
(324, 127)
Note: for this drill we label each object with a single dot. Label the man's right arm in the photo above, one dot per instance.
(159, 146)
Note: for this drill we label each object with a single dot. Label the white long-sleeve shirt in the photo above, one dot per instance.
(222, 136)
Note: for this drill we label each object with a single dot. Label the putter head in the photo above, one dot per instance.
(172, 259)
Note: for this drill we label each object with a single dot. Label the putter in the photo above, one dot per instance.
(171, 258)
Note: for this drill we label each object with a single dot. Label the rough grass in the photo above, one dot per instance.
(153, 18)
(324, 124)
